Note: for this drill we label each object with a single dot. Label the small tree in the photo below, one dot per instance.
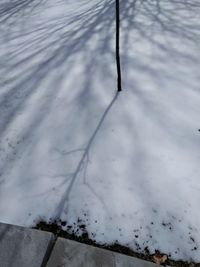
(119, 86)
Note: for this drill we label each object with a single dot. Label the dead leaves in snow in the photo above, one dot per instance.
(159, 258)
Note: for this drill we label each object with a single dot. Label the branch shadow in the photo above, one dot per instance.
(82, 167)
(40, 55)
(160, 63)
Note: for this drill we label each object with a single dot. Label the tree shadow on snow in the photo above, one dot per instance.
(38, 56)
(36, 52)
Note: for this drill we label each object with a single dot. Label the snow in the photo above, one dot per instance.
(125, 165)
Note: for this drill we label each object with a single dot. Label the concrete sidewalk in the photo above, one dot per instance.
(24, 247)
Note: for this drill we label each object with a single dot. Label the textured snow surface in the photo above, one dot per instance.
(126, 166)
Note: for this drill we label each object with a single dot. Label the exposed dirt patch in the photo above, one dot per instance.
(56, 228)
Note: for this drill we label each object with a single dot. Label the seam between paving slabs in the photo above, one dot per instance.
(50, 249)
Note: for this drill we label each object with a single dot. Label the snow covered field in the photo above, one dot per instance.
(127, 165)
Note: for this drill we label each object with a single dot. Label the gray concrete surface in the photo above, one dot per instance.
(67, 253)
(23, 247)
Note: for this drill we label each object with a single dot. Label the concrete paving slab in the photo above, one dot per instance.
(23, 247)
(67, 253)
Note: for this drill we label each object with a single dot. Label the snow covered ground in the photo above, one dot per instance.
(127, 165)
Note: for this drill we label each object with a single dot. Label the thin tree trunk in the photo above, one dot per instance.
(119, 87)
